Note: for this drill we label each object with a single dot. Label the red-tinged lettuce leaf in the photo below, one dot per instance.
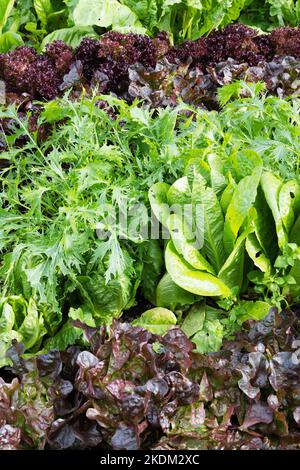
(10, 437)
(133, 389)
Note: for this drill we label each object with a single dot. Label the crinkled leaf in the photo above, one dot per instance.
(156, 320)
(209, 338)
(194, 320)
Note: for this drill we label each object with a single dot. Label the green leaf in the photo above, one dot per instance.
(170, 295)
(68, 333)
(156, 320)
(295, 232)
(43, 9)
(197, 282)
(104, 300)
(8, 40)
(145, 10)
(229, 91)
(106, 14)
(5, 343)
(15, 311)
(242, 200)
(248, 310)
(179, 192)
(6, 7)
(82, 315)
(210, 338)
(7, 319)
(213, 247)
(159, 203)
(32, 328)
(194, 320)
(264, 225)
(294, 289)
(184, 243)
(217, 178)
(66, 336)
(289, 201)
(256, 253)
(271, 186)
(228, 194)
(71, 36)
(19, 306)
(153, 263)
(232, 272)
(197, 165)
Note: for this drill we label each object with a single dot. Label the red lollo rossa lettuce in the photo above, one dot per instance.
(133, 65)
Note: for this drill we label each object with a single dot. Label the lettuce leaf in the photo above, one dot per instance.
(107, 14)
(19, 320)
(156, 320)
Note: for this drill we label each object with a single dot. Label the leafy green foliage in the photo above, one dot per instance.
(186, 19)
(108, 152)
(20, 321)
(285, 12)
(208, 327)
(58, 243)
(170, 295)
(195, 281)
(8, 39)
(106, 14)
(269, 14)
(70, 20)
(71, 36)
(156, 320)
(5, 11)
(216, 268)
(32, 20)
(250, 215)
(281, 277)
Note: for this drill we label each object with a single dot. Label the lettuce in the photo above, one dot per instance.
(21, 321)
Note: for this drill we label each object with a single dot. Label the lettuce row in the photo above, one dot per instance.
(250, 223)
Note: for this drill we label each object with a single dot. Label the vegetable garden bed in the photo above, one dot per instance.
(149, 225)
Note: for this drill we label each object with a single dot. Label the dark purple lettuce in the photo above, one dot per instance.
(286, 41)
(137, 66)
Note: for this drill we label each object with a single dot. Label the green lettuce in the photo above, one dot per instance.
(21, 321)
(216, 268)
